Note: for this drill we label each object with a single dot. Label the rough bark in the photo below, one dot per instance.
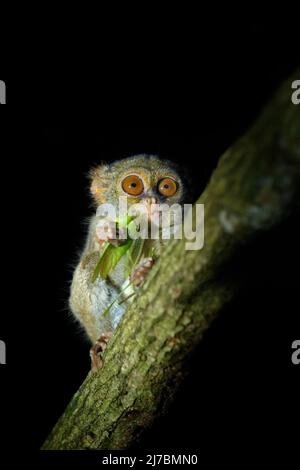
(253, 188)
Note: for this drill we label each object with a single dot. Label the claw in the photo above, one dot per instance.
(96, 350)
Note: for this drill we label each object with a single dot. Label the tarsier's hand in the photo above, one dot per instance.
(107, 231)
(140, 272)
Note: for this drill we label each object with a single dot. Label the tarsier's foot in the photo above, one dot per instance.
(107, 231)
(96, 350)
(140, 272)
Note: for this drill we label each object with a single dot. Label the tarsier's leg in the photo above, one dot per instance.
(96, 350)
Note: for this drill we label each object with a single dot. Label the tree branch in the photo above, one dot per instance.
(253, 188)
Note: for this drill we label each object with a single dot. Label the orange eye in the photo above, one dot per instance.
(167, 187)
(133, 185)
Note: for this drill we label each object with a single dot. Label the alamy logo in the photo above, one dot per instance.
(296, 94)
(154, 221)
(296, 354)
(2, 92)
(2, 352)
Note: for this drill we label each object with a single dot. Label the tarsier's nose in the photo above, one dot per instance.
(150, 200)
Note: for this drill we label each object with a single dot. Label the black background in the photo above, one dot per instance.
(186, 98)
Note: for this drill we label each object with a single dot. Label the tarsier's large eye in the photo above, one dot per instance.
(167, 187)
(133, 185)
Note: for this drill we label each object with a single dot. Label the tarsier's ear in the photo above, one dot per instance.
(100, 182)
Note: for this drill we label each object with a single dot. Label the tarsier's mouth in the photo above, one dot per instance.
(149, 207)
(156, 214)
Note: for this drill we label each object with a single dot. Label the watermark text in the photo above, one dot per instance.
(2, 92)
(296, 94)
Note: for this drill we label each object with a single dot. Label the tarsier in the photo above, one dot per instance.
(143, 179)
